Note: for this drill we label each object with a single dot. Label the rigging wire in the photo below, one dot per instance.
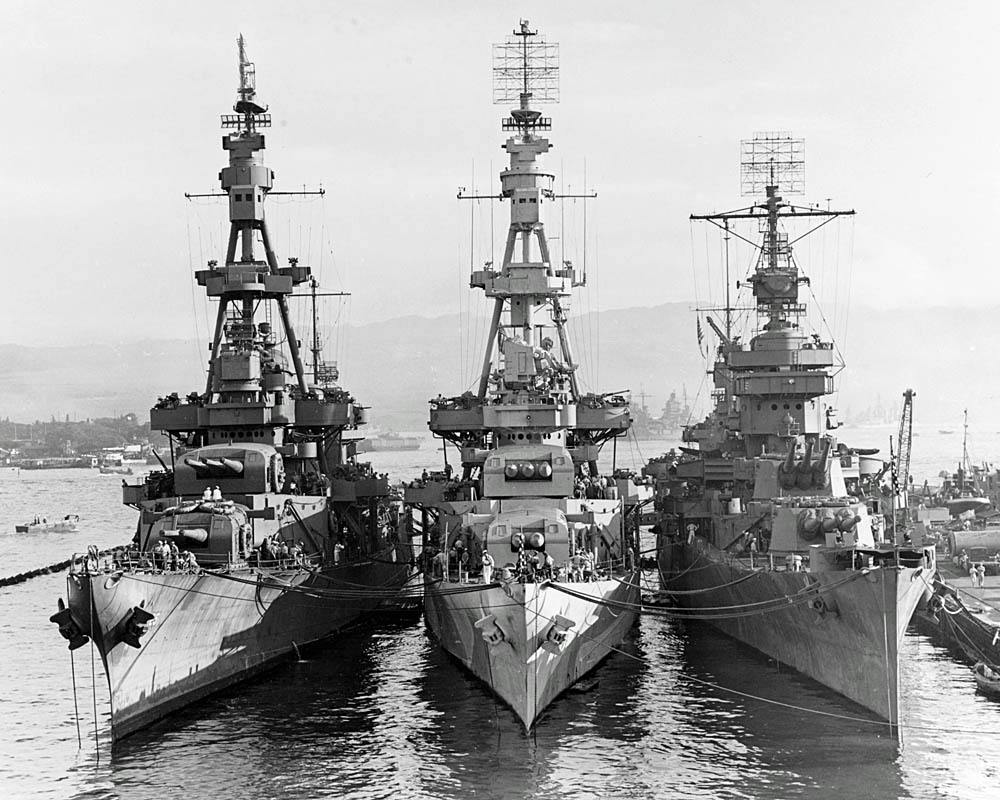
(596, 343)
(194, 297)
(93, 679)
(76, 707)
(850, 281)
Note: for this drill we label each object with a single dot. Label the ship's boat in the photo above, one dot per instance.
(767, 527)
(41, 525)
(987, 678)
(966, 502)
(531, 572)
(265, 533)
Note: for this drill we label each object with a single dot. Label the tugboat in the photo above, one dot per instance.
(767, 527)
(531, 554)
(962, 491)
(264, 534)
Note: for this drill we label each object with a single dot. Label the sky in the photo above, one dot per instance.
(111, 113)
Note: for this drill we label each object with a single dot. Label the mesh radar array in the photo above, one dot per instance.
(526, 68)
(249, 113)
(772, 159)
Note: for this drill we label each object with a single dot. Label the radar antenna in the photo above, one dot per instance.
(772, 158)
(249, 113)
(526, 68)
(772, 164)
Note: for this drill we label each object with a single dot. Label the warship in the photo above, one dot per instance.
(531, 574)
(264, 533)
(767, 526)
(670, 423)
(390, 441)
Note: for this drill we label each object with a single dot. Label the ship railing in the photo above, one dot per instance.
(569, 571)
(308, 561)
(117, 562)
(94, 562)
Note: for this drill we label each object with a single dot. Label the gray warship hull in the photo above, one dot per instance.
(213, 630)
(520, 669)
(842, 629)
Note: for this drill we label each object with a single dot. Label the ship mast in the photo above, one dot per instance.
(247, 396)
(526, 71)
(965, 450)
(770, 407)
(247, 182)
(325, 373)
(528, 388)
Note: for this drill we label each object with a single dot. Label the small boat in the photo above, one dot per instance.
(41, 525)
(987, 678)
(966, 502)
(115, 470)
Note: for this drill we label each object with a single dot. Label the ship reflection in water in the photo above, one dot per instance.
(388, 714)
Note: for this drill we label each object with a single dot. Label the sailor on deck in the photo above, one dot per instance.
(439, 565)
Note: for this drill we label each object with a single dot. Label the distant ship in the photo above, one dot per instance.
(769, 528)
(965, 489)
(262, 535)
(388, 441)
(669, 425)
(533, 574)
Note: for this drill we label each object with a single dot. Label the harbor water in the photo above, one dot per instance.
(680, 711)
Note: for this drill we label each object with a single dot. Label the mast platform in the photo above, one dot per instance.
(255, 278)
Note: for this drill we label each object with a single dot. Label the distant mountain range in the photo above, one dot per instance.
(394, 367)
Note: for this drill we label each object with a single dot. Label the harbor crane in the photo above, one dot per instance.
(901, 475)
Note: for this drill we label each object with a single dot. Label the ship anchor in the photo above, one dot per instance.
(492, 633)
(69, 628)
(137, 625)
(555, 634)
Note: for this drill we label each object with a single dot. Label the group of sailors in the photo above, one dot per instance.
(275, 551)
(173, 400)
(456, 565)
(168, 557)
(212, 493)
(976, 569)
(164, 556)
(595, 488)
